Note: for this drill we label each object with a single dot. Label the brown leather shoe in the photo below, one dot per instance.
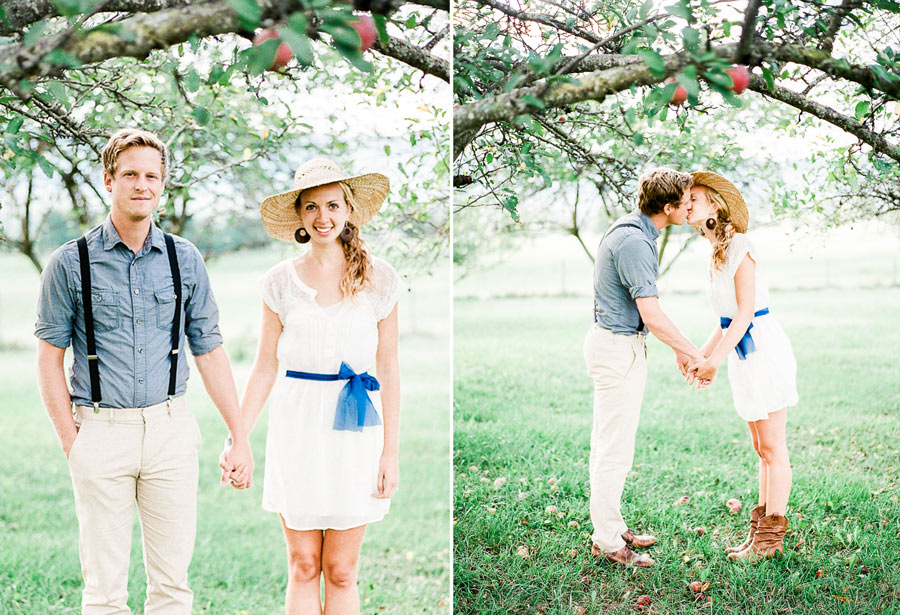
(755, 514)
(638, 541)
(624, 557)
(768, 542)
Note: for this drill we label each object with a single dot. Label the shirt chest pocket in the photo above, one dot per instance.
(105, 309)
(165, 307)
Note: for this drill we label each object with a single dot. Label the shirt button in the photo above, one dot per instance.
(140, 381)
(140, 350)
(137, 291)
(139, 321)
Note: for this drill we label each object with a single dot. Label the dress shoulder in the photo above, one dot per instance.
(740, 246)
(272, 285)
(387, 285)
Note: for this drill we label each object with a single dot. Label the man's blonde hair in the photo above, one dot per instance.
(131, 137)
(661, 186)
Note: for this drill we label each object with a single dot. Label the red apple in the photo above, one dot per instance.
(365, 27)
(734, 506)
(700, 530)
(561, 119)
(696, 586)
(740, 75)
(284, 53)
(819, 573)
(680, 94)
(644, 600)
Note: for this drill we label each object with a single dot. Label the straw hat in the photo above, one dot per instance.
(737, 209)
(369, 191)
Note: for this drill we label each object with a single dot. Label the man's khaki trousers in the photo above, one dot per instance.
(618, 366)
(148, 456)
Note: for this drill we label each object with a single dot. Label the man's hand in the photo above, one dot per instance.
(236, 462)
(704, 372)
(67, 440)
(388, 476)
(683, 361)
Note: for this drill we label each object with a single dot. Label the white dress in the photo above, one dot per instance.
(765, 380)
(317, 477)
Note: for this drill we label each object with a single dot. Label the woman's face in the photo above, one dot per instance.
(701, 208)
(324, 212)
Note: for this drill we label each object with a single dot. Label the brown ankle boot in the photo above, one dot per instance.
(755, 514)
(768, 541)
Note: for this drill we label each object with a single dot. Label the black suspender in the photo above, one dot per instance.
(608, 233)
(93, 363)
(93, 366)
(176, 322)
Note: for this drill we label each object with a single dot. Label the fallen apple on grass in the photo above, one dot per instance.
(734, 506)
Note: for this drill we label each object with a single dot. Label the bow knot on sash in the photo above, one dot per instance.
(354, 408)
(746, 345)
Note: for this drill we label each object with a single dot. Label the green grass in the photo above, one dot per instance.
(239, 564)
(522, 408)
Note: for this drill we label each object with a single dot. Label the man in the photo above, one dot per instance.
(132, 438)
(626, 306)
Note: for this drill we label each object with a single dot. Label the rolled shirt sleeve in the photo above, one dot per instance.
(56, 303)
(201, 314)
(635, 261)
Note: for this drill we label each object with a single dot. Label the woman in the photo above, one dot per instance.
(329, 317)
(761, 366)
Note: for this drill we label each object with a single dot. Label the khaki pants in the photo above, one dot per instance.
(618, 366)
(148, 456)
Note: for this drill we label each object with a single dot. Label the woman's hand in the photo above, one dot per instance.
(388, 476)
(704, 372)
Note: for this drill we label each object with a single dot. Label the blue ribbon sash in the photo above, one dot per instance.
(746, 345)
(354, 408)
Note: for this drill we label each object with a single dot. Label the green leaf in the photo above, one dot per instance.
(719, 78)
(682, 10)
(638, 138)
(862, 109)
(248, 12)
(510, 204)
(653, 61)
(645, 9)
(299, 44)
(45, 165)
(260, 57)
(3, 18)
(191, 81)
(202, 115)
(387, 150)
(769, 76)
(34, 33)
(691, 38)
(381, 28)
(354, 57)
(691, 85)
(61, 58)
(215, 74)
(15, 124)
(533, 101)
(70, 8)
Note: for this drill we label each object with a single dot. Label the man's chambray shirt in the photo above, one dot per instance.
(626, 268)
(134, 305)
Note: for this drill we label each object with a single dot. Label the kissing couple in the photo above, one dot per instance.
(761, 366)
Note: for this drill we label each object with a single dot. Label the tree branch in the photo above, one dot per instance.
(834, 25)
(542, 18)
(845, 123)
(415, 56)
(747, 32)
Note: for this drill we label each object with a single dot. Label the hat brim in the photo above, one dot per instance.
(280, 218)
(737, 207)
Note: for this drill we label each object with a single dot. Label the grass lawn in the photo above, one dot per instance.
(239, 562)
(522, 409)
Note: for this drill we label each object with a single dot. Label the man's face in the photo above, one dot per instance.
(677, 215)
(137, 186)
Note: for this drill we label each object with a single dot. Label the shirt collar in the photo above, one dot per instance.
(111, 237)
(648, 225)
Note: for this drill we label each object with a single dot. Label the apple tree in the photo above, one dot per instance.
(559, 106)
(241, 91)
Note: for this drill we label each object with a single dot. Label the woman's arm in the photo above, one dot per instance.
(711, 341)
(264, 370)
(387, 367)
(745, 293)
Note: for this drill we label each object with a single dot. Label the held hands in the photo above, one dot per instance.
(388, 476)
(702, 373)
(236, 462)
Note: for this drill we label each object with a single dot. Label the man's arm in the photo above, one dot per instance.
(215, 370)
(55, 394)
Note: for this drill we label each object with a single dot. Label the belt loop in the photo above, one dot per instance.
(169, 405)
